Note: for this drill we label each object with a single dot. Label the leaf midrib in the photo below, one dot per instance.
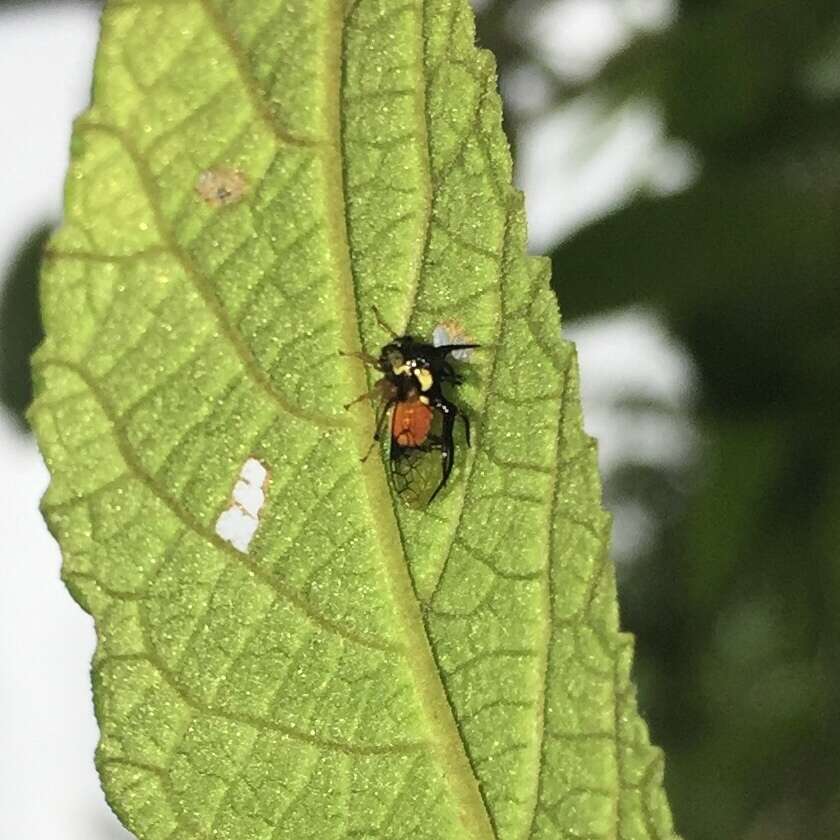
(451, 751)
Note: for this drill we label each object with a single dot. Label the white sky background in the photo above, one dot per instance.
(48, 786)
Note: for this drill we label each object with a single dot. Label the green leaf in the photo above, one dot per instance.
(362, 669)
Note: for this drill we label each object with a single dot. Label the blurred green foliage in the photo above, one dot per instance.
(736, 605)
(20, 325)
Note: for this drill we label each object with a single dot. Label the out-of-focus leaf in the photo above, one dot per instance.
(713, 258)
(719, 241)
(20, 325)
(729, 75)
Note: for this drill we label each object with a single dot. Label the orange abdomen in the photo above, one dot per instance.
(411, 422)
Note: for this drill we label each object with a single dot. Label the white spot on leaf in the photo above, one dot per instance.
(238, 524)
(451, 332)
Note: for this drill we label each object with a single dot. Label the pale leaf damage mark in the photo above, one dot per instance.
(238, 524)
(221, 186)
(451, 332)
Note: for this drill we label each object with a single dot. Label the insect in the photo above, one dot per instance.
(414, 374)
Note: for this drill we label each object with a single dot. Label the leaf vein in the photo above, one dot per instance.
(200, 530)
(203, 287)
(253, 90)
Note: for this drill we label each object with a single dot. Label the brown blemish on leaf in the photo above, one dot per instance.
(221, 186)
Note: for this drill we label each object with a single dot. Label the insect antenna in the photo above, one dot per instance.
(451, 348)
(385, 326)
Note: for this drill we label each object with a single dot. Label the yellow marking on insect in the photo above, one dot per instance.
(424, 377)
(400, 370)
(424, 400)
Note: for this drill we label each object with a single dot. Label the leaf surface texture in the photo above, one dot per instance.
(360, 670)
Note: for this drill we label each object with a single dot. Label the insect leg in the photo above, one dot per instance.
(383, 390)
(358, 399)
(380, 422)
(447, 446)
(357, 354)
